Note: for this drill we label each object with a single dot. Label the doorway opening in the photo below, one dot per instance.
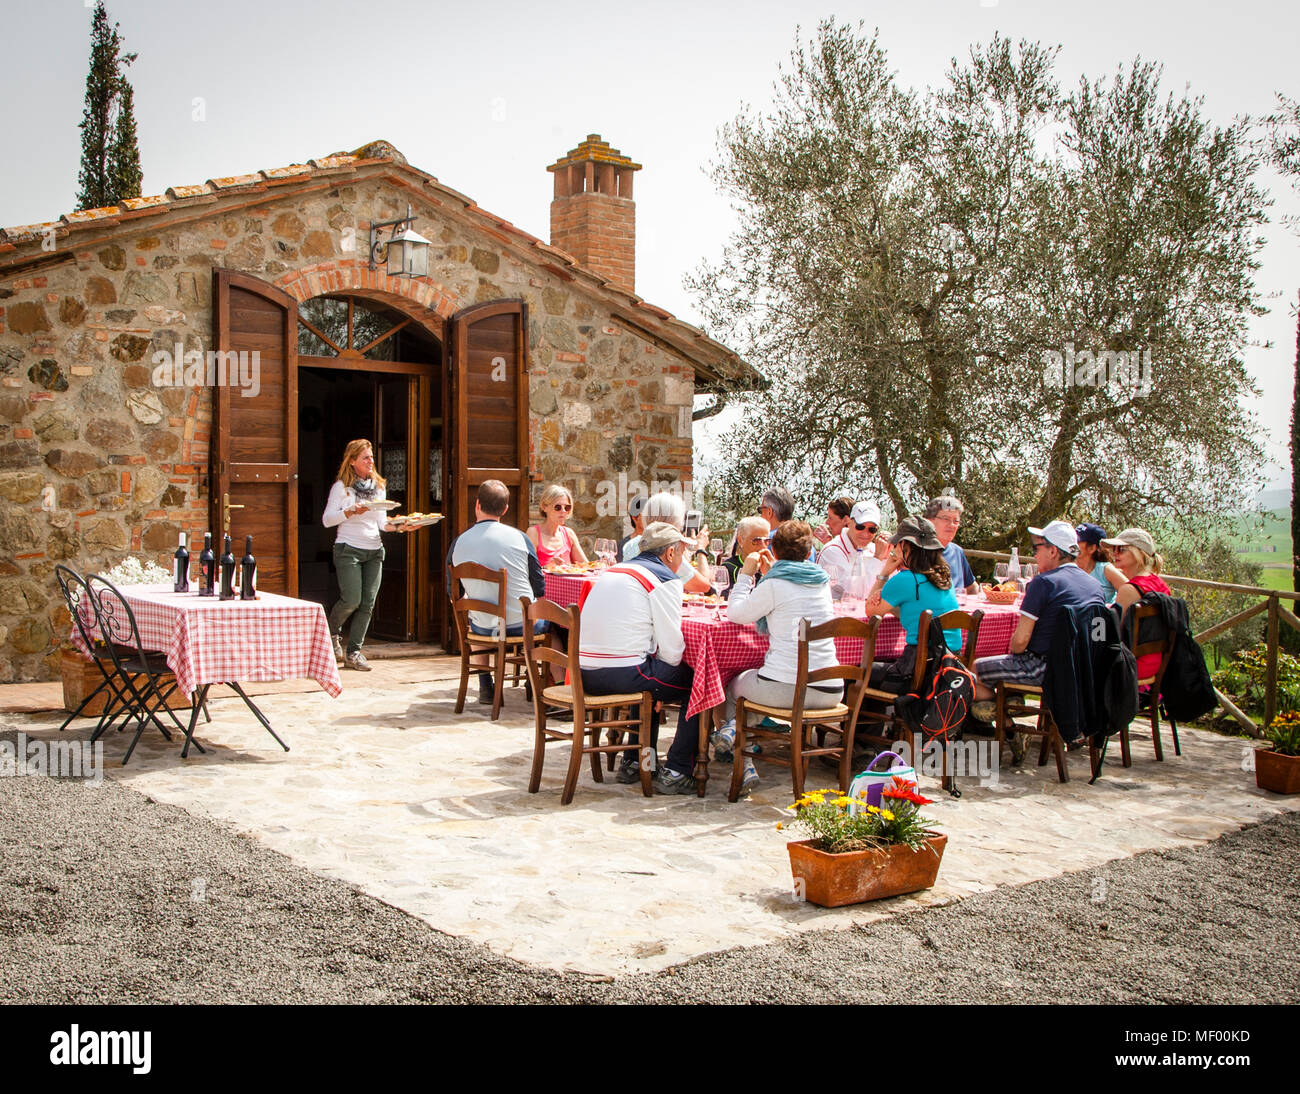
(368, 371)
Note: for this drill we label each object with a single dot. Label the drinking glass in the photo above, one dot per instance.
(721, 579)
(717, 546)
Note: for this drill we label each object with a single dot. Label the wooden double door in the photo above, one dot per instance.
(444, 402)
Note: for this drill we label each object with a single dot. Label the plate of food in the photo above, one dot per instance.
(707, 600)
(387, 506)
(416, 520)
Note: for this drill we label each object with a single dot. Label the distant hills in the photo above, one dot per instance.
(1277, 497)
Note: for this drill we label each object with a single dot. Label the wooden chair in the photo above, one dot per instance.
(969, 625)
(1164, 646)
(505, 650)
(1011, 703)
(842, 718)
(892, 724)
(587, 710)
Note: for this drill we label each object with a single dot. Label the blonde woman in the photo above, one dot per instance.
(358, 548)
(1134, 555)
(555, 542)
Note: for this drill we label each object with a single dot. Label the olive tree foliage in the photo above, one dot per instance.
(915, 272)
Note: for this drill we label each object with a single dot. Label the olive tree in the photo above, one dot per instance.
(1035, 297)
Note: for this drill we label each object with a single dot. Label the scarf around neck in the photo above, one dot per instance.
(365, 489)
(800, 573)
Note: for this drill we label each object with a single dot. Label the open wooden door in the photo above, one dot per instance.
(254, 448)
(489, 376)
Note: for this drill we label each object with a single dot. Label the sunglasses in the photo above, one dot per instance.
(1039, 544)
(564, 508)
(873, 529)
(1119, 549)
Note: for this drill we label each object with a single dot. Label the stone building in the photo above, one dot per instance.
(166, 362)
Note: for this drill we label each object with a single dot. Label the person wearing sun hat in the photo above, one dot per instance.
(915, 579)
(1137, 559)
(1060, 584)
(1094, 558)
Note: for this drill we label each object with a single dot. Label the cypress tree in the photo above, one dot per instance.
(104, 89)
(124, 174)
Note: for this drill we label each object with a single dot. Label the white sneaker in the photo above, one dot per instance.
(357, 660)
(750, 779)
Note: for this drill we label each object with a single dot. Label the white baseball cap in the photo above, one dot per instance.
(865, 512)
(1060, 535)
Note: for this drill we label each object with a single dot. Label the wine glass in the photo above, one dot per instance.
(716, 547)
(1000, 572)
(721, 580)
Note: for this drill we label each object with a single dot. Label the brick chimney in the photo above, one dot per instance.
(593, 216)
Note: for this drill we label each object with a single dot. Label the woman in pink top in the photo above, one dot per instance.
(1134, 554)
(555, 542)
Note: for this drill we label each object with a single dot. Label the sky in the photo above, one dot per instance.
(485, 97)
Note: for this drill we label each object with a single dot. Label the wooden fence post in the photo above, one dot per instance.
(1270, 678)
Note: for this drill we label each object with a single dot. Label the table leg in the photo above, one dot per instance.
(260, 716)
(702, 752)
(198, 699)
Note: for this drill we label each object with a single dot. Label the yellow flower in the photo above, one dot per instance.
(886, 814)
(872, 809)
(779, 826)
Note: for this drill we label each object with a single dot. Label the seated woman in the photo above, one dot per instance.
(915, 579)
(1137, 559)
(792, 589)
(555, 542)
(1094, 558)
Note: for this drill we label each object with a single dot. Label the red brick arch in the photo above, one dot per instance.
(353, 275)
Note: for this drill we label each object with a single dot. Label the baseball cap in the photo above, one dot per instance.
(1134, 537)
(659, 535)
(865, 512)
(1060, 535)
(919, 532)
(1090, 533)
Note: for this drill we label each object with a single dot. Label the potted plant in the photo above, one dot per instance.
(1278, 768)
(862, 852)
(80, 674)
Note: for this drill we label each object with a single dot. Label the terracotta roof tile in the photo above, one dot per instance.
(22, 233)
(180, 193)
(85, 215)
(293, 170)
(132, 204)
(326, 162)
(232, 182)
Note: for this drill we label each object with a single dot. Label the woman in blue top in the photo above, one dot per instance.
(915, 579)
(1094, 558)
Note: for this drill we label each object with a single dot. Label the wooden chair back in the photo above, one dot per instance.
(541, 657)
(1164, 645)
(853, 675)
(969, 624)
(462, 605)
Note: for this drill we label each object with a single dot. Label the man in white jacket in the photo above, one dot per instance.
(631, 640)
(857, 538)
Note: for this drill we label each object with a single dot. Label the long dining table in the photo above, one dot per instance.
(718, 649)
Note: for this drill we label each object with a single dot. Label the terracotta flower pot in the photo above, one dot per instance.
(858, 876)
(81, 677)
(1276, 772)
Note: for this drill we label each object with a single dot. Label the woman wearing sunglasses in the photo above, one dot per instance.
(1133, 553)
(555, 542)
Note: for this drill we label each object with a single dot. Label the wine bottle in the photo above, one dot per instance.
(227, 571)
(248, 572)
(207, 567)
(181, 568)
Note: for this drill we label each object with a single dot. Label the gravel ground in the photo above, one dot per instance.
(97, 904)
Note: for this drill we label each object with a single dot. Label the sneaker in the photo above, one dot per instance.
(670, 782)
(486, 691)
(984, 710)
(723, 740)
(357, 660)
(750, 779)
(778, 727)
(338, 649)
(629, 770)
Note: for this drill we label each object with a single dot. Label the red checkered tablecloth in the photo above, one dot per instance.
(212, 641)
(563, 589)
(718, 649)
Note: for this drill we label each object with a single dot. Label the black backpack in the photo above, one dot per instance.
(1186, 690)
(939, 708)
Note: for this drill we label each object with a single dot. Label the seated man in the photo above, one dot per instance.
(855, 544)
(752, 535)
(631, 633)
(1060, 584)
(944, 512)
(498, 547)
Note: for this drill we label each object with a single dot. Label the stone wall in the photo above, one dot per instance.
(97, 463)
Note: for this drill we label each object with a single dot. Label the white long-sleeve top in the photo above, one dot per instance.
(623, 623)
(784, 603)
(361, 531)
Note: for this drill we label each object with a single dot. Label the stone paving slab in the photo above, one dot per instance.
(388, 789)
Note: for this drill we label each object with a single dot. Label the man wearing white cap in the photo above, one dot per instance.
(1060, 584)
(631, 640)
(857, 538)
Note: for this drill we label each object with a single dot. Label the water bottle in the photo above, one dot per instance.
(1013, 568)
(859, 586)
